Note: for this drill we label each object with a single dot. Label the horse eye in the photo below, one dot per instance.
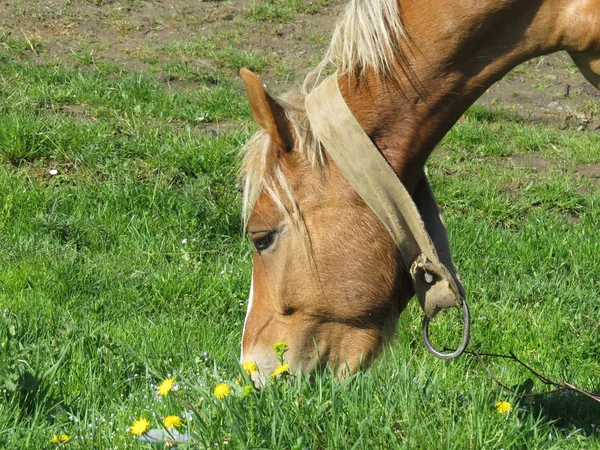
(264, 242)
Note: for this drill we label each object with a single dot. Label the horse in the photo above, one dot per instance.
(327, 278)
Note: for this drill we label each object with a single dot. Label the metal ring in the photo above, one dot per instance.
(465, 338)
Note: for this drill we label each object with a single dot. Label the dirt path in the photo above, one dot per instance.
(183, 43)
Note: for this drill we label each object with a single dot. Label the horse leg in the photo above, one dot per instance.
(580, 25)
(589, 66)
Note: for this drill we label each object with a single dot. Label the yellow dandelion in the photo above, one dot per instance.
(56, 439)
(250, 367)
(139, 427)
(503, 407)
(280, 348)
(284, 368)
(172, 422)
(221, 390)
(165, 387)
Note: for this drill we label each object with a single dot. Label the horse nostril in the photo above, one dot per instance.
(288, 310)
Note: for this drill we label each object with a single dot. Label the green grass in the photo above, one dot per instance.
(129, 265)
(283, 10)
(223, 49)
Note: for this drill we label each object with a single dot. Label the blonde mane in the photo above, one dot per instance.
(367, 36)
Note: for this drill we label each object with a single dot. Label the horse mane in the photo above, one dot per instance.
(366, 37)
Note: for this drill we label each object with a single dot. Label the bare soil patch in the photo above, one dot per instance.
(138, 36)
(530, 161)
(155, 37)
(591, 171)
(549, 89)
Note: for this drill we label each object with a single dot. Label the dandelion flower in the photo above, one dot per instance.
(280, 348)
(221, 390)
(139, 427)
(56, 439)
(284, 368)
(503, 407)
(250, 367)
(172, 422)
(165, 387)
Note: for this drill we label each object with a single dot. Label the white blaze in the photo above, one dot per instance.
(247, 314)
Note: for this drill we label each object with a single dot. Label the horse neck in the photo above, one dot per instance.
(453, 53)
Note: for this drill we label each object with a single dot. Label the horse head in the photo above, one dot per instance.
(327, 278)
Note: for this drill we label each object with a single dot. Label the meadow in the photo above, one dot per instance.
(123, 262)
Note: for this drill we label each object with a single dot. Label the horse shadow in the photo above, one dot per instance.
(567, 410)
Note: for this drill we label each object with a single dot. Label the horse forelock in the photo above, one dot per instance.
(262, 168)
(367, 36)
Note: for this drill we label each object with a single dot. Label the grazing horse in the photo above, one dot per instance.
(327, 277)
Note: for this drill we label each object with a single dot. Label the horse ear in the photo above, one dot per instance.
(269, 114)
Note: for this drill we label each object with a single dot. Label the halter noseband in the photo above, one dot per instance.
(418, 232)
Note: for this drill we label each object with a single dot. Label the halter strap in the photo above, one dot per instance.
(436, 283)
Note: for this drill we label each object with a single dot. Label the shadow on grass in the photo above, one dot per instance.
(568, 410)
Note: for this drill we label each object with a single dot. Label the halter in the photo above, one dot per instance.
(417, 229)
